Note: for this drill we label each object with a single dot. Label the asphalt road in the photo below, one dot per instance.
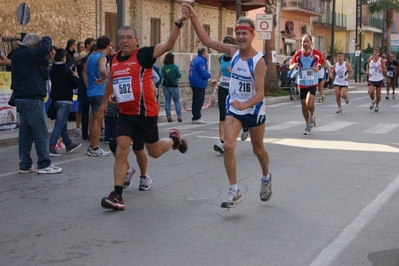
(335, 198)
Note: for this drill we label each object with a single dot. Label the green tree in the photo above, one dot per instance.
(390, 6)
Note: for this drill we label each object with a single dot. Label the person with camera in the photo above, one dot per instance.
(64, 80)
(29, 75)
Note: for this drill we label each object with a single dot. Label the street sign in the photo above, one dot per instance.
(264, 35)
(264, 23)
(23, 14)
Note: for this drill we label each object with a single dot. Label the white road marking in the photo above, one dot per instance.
(381, 128)
(334, 126)
(328, 255)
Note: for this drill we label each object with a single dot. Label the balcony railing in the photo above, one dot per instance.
(340, 19)
(301, 6)
(376, 23)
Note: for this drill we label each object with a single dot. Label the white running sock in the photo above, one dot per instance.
(234, 187)
(266, 178)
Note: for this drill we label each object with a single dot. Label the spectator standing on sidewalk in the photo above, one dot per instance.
(95, 76)
(29, 76)
(83, 100)
(245, 102)
(198, 78)
(133, 89)
(64, 80)
(70, 50)
(15, 45)
(170, 87)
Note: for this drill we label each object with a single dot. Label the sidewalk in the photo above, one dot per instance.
(10, 137)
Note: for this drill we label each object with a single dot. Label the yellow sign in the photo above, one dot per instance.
(8, 114)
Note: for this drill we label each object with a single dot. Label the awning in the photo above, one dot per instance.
(246, 5)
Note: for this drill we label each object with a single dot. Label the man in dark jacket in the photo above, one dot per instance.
(198, 78)
(28, 72)
(64, 80)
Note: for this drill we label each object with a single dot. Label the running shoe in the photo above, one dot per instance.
(198, 122)
(113, 201)
(52, 169)
(78, 133)
(393, 96)
(53, 152)
(312, 122)
(387, 97)
(145, 182)
(32, 169)
(321, 99)
(347, 100)
(376, 108)
(244, 134)
(96, 152)
(182, 144)
(73, 147)
(372, 105)
(339, 110)
(218, 147)
(266, 189)
(307, 130)
(233, 198)
(128, 179)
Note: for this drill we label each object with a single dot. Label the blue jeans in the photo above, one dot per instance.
(174, 93)
(61, 124)
(198, 101)
(33, 128)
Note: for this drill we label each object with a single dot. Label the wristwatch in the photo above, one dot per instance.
(179, 25)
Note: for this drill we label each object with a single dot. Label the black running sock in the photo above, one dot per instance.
(175, 141)
(119, 190)
(94, 149)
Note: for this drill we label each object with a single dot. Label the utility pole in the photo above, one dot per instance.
(238, 9)
(332, 31)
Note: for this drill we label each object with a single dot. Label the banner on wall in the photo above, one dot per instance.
(8, 114)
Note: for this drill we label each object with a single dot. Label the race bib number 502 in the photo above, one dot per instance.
(123, 89)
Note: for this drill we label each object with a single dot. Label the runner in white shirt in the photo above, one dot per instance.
(245, 105)
(376, 68)
(343, 72)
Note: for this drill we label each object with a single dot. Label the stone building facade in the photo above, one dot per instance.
(79, 19)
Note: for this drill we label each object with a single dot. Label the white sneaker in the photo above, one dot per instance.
(244, 134)
(128, 179)
(233, 198)
(32, 169)
(78, 133)
(52, 169)
(218, 147)
(199, 121)
(339, 111)
(96, 153)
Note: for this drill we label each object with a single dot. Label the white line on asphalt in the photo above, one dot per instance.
(328, 255)
(381, 128)
(61, 162)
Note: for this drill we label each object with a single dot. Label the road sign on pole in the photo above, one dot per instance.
(264, 35)
(264, 23)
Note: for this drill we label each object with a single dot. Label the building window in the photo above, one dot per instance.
(229, 31)
(207, 28)
(155, 31)
(318, 43)
(110, 26)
